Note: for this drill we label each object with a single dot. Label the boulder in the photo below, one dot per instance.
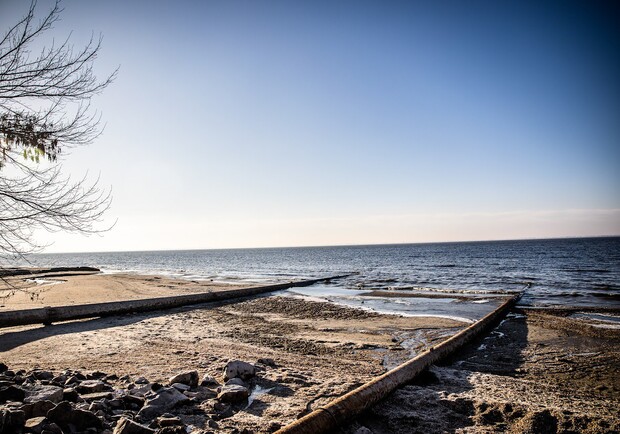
(96, 396)
(160, 402)
(128, 426)
(237, 381)
(42, 375)
(3, 367)
(168, 420)
(11, 421)
(181, 387)
(190, 378)
(92, 386)
(208, 380)
(11, 393)
(63, 414)
(36, 424)
(37, 409)
(70, 394)
(237, 368)
(44, 393)
(233, 393)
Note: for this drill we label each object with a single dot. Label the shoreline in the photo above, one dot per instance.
(320, 351)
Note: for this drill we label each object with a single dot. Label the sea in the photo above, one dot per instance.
(582, 272)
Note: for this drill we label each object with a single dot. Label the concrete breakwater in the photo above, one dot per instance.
(47, 315)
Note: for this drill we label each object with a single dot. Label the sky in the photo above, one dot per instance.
(280, 123)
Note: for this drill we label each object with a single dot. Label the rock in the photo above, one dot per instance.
(141, 380)
(37, 409)
(181, 387)
(127, 426)
(237, 368)
(233, 393)
(52, 428)
(36, 424)
(190, 378)
(237, 381)
(44, 393)
(3, 367)
(363, 430)
(96, 396)
(11, 421)
(170, 420)
(97, 375)
(92, 386)
(160, 402)
(267, 362)
(70, 394)
(59, 380)
(63, 414)
(208, 380)
(43, 375)
(172, 430)
(131, 400)
(11, 393)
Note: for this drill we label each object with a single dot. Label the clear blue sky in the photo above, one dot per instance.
(243, 124)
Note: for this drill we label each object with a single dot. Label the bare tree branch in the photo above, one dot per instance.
(44, 108)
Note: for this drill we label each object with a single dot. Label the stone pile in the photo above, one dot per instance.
(72, 402)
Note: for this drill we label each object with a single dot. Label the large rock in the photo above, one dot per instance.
(42, 375)
(37, 409)
(36, 424)
(127, 426)
(237, 368)
(92, 386)
(11, 421)
(64, 414)
(189, 378)
(44, 393)
(11, 393)
(160, 402)
(233, 393)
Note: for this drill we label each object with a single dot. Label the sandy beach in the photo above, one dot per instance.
(536, 369)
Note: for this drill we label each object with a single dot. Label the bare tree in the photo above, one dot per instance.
(45, 108)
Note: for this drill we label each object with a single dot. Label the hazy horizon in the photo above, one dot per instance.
(335, 245)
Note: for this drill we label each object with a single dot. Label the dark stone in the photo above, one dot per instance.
(12, 421)
(70, 395)
(267, 362)
(189, 378)
(92, 386)
(3, 367)
(127, 426)
(164, 421)
(133, 400)
(43, 375)
(37, 409)
(97, 375)
(11, 393)
(233, 393)
(96, 396)
(172, 430)
(64, 415)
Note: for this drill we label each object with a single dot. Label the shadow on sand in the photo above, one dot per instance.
(422, 406)
(14, 337)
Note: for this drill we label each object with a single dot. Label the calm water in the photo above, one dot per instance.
(568, 271)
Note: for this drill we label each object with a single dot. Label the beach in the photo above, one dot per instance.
(537, 367)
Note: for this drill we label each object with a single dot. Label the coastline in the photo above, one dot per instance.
(321, 351)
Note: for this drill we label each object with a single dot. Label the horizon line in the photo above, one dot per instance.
(338, 245)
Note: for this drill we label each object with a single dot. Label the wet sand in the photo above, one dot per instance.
(539, 371)
(320, 351)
